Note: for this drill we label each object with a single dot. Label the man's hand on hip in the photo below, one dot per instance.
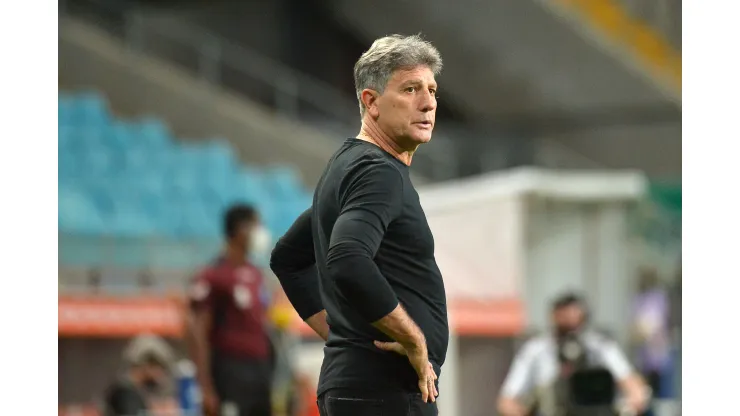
(419, 359)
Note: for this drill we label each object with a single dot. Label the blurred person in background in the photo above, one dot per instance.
(148, 360)
(359, 265)
(227, 334)
(651, 317)
(539, 366)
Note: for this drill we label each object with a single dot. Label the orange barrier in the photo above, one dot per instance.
(647, 45)
(107, 316)
(80, 410)
(159, 407)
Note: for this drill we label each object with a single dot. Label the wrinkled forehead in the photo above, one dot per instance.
(420, 74)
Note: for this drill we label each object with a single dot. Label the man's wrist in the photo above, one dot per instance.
(417, 344)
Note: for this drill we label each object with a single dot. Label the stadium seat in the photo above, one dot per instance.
(130, 182)
(77, 213)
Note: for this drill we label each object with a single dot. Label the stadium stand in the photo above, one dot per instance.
(131, 179)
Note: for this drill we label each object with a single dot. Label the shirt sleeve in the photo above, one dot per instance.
(519, 380)
(293, 262)
(370, 202)
(203, 290)
(615, 360)
(123, 402)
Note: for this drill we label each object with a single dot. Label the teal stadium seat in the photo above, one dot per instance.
(131, 195)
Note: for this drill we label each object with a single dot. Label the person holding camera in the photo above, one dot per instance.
(572, 365)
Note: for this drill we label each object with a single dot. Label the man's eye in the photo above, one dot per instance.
(433, 92)
(410, 89)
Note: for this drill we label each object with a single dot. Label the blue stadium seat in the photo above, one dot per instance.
(95, 160)
(89, 108)
(80, 137)
(120, 136)
(153, 134)
(77, 213)
(129, 180)
(65, 109)
(67, 165)
(219, 155)
(129, 220)
(283, 182)
(185, 183)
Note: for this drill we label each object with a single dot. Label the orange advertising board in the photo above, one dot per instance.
(159, 407)
(105, 316)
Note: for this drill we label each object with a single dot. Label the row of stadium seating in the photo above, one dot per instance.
(132, 179)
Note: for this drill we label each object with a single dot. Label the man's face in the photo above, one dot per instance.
(406, 109)
(569, 318)
(243, 236)
(154, 376)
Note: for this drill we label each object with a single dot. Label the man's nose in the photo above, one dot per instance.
(429, 103)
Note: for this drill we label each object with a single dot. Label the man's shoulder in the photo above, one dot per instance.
(598, 338)
(368, 169)
(209, 271)
(371, 159)
(536, 343)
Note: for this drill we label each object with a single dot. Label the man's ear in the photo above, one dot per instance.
(370, 101)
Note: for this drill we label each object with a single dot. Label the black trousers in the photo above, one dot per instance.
(350, 402)
(653, 378)
(244, 384)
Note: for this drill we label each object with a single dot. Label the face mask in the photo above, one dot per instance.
(563, 331)
(259, 241)
(151, 385)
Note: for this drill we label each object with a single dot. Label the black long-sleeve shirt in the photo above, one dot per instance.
(362, 248)
(123, 398)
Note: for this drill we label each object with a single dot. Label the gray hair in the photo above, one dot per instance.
(389, 54)
(147, 348)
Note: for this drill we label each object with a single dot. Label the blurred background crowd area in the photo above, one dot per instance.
(555, 164)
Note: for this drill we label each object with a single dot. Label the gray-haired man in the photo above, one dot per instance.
(148, 359)
(359, 265)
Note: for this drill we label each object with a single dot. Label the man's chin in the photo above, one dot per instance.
(414, 140)
(423, 138)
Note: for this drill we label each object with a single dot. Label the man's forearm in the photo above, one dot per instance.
(202, 360)
(636, 391)
(508, 406)
(318, 323)
(399, 326)
(200, 351)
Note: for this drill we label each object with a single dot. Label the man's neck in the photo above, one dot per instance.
(234, 255)
(371, 132)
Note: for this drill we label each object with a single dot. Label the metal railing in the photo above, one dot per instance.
(212, 58)
(293, 94)
(216, 60)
